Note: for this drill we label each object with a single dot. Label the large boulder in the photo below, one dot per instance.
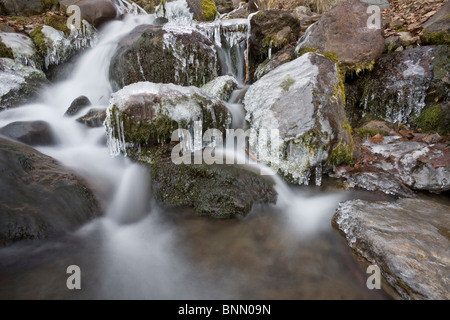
(39, 198)
(96, 12)
(303, 100)
(344, 32)
(22, 48)
(271, 30)
(221, 87)
(33, 133)
(164, 55)
(224, 6)
(408, 239)
(437, 29)
(203, 10)
(18, 83)
(146, 114)
(403, 83)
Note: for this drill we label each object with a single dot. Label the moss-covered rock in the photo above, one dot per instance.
(5, 52)
(302, 101)
(219, 191)
(153, 53)
(203, 10)
(435, 119)
(437, 28)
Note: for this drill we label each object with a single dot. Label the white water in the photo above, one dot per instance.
(134, 242)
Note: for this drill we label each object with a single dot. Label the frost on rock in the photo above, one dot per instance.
(221, 87)
(60, 47)
(22, 47)
(17, 82)
(145, 113)
(295, 101)
(176, 12)
(406, 239)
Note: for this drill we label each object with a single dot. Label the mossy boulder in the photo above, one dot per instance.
(221, 87)
(21, 48)
(403, 83)
(219, 191)
(437, 29)
(165, 55)
(39, 198)
(146, 114)
(343, 31)
(271, 30)
(5, 51)
(302, 100)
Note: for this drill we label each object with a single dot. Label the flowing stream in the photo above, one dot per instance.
(138, 250)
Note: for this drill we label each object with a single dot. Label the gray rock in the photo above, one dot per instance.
(21, 7)
(301, 99)
(383, 4)
(96, 12)
(165, 55)
(39, 198)
(78, 104)
(33, 133)
(408, 239)
(221, 87)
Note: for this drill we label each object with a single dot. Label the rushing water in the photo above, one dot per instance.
(138, 250)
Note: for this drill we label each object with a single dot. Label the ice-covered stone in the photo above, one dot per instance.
(22, 47)
(221, 87)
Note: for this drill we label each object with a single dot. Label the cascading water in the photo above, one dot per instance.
(138, 251)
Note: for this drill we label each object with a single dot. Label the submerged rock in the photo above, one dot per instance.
(18, 83)
(344, 32)
(39, 198)
(145, 114)
(164, 54)
(221, 87)
(403, 83)
(301, 100)
(408, 239)
(33, 133)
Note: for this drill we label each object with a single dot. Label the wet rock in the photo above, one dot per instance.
(219, 191)
(23, 49)
(343, 32)
(418, 165)
(145, 114)
(165, 55)
(403, 83)
(78, 104)
(221, 87)
(33, 133)
(435, 118)
(21, 7)
(374, 127)
(303, 100)
(18, 83)
(224, 6)
(408, 239)
(283, 56)
(271, 30)
(437, 28)
(39, 198)
(94, 118)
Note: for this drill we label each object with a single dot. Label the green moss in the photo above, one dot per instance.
(368, 132)
(434, 119)
(39, 39)
(5, 52)
(47, 5)
(347, 127)
(209, 10)
(57, 22)
(287, 83)
(342, 154)
(304, 50)
(439, 37)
